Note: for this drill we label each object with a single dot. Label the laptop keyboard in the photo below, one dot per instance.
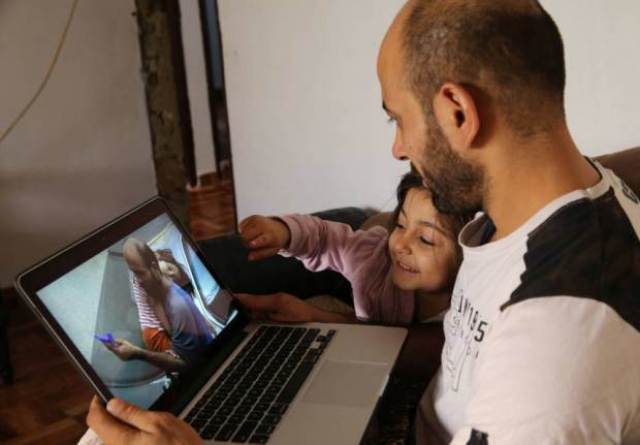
(249, 398)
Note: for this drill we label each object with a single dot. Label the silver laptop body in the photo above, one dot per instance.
(84, 296)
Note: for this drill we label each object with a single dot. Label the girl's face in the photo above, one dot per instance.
(423, 252)
(172, 271)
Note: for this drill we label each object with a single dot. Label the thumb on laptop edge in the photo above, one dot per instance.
(131, 414)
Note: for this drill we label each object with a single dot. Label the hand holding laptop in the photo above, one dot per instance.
(122, 423)
(257, 382)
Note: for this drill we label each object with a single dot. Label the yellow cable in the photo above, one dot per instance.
(52, 65)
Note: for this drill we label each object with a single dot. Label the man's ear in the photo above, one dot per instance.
(457, 113)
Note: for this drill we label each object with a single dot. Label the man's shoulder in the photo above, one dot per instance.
(588, 249)
(177, 297)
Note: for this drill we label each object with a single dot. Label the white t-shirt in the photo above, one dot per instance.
(543, 334)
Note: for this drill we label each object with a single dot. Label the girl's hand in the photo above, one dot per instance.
(286, 308)
(264, 236)
(280, 307)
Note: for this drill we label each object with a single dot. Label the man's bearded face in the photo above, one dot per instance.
(455, 183)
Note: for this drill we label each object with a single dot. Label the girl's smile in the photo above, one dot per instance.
(422, 252)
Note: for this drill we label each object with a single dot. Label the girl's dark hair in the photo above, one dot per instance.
(411, 180)
(453, 223)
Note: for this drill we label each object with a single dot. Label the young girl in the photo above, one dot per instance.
(396, 277)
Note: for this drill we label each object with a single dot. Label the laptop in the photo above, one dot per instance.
(142, 315)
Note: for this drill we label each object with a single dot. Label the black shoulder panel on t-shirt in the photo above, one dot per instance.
(478, 438)
(586, 249)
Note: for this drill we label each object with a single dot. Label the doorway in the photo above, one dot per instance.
(211, 196)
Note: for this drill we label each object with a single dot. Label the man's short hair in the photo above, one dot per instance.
(510, 50)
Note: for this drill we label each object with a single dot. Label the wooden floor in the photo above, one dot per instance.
(48, 402)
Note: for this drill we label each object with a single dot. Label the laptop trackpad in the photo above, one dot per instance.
(346, 383)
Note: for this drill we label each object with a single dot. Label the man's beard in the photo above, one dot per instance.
(456, 184)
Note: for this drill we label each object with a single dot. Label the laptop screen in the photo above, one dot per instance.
(141, 312)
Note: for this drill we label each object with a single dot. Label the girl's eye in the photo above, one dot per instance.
(391, 120)
(399, 226)
(426, 241)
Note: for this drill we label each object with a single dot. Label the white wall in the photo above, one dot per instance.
(197, 86)
(307, 128)
(603, 71)
(307, 131)
(82, 155)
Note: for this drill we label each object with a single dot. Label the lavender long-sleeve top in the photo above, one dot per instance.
(360, 256)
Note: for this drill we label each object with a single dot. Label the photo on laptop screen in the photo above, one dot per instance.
(142, 311)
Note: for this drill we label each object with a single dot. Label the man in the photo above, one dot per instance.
(542, 342)
(189, 333)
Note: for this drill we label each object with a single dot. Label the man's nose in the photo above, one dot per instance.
(398, 150)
